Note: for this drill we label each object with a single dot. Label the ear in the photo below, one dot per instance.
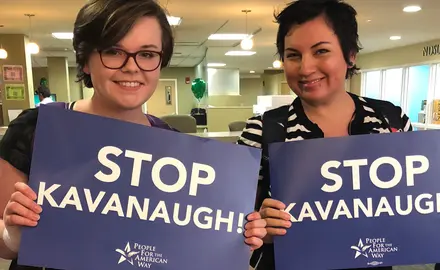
(352, 61)
(86, 69)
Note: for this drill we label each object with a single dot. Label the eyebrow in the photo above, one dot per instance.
(313, 46)
(147, 46)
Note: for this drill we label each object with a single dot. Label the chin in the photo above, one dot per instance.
(315, 96)
(127, 104)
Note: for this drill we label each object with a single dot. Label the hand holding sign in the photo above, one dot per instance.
(277, 220)
(15, 197)
(21, 210)
(255, 231)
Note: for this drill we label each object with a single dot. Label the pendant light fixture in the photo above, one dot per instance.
(277, 64)
(3, 52)
(31, 46)
(247, 43)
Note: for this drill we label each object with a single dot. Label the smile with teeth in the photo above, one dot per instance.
(310, 83)
(129, 84)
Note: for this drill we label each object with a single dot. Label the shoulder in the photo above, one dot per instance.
(252, 133)
(16, 144)
(394, 114)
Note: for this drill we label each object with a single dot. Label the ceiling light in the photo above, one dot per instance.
(33, 48)
(229, 36)
(368, 20)
(174, 21)
(216, 64)
(252, 71)
(62, 35)
(3, 54)
(412, 8)
(247, 44)
(240, 53)
(395, 37)
(277, 64)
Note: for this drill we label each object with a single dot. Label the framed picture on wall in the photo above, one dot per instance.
(13, 73)
(15, 92)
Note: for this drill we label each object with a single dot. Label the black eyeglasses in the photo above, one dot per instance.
(114, 58)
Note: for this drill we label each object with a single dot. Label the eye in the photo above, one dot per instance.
(146, 54)
(292, 55)
(112, 52)
(322, 51)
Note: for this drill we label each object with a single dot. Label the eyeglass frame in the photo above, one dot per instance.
(131, 55)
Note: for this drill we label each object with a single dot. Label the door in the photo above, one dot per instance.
(163, 102)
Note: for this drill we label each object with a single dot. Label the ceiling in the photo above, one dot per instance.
(200, 18)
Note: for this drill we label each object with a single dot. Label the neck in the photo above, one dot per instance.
(96, 107)
(337, 105)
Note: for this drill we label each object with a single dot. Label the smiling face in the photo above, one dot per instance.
(128, 87)
(314, 64)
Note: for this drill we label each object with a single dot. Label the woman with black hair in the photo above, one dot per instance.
(121, 47)
(318, 43)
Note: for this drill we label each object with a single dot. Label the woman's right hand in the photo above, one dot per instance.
(277, 220)
(21, 210)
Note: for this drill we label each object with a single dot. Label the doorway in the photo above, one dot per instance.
(164, 100)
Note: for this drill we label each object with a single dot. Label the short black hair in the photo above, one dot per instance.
(44, 91)
(101, 24)
(340, 16)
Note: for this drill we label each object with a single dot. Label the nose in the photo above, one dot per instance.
(307, 65)
(130, 66)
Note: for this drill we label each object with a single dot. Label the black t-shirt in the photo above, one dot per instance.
(16, 149)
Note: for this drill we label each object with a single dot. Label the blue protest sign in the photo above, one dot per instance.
(117, 195)
(358, 201)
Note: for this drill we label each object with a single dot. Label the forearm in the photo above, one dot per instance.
(5, 252)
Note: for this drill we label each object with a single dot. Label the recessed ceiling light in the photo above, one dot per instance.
(174, 21)
(412, 8)
(229, 36)
(240, 53)
(216, 64)
(395, 37)
(252, 71)
(368, 20)
(63, 35)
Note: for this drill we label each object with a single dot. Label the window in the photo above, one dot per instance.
(418, 87)
(372, 81)
(223, 82)
(392, 90)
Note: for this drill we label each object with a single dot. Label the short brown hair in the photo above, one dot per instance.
(340, 16)
(101, 24)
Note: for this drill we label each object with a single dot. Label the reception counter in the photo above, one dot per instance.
(230, 137)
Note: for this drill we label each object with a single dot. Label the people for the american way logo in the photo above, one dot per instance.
(127, 254)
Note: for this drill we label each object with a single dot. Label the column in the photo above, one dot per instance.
(58, 77)
(20, 93)
(201, 71)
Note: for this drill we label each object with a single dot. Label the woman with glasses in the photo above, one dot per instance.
(121, 47)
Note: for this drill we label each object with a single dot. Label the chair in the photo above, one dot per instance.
(183, 123)
(237, 126)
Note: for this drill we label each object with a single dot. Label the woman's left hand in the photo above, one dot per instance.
(255, 230)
